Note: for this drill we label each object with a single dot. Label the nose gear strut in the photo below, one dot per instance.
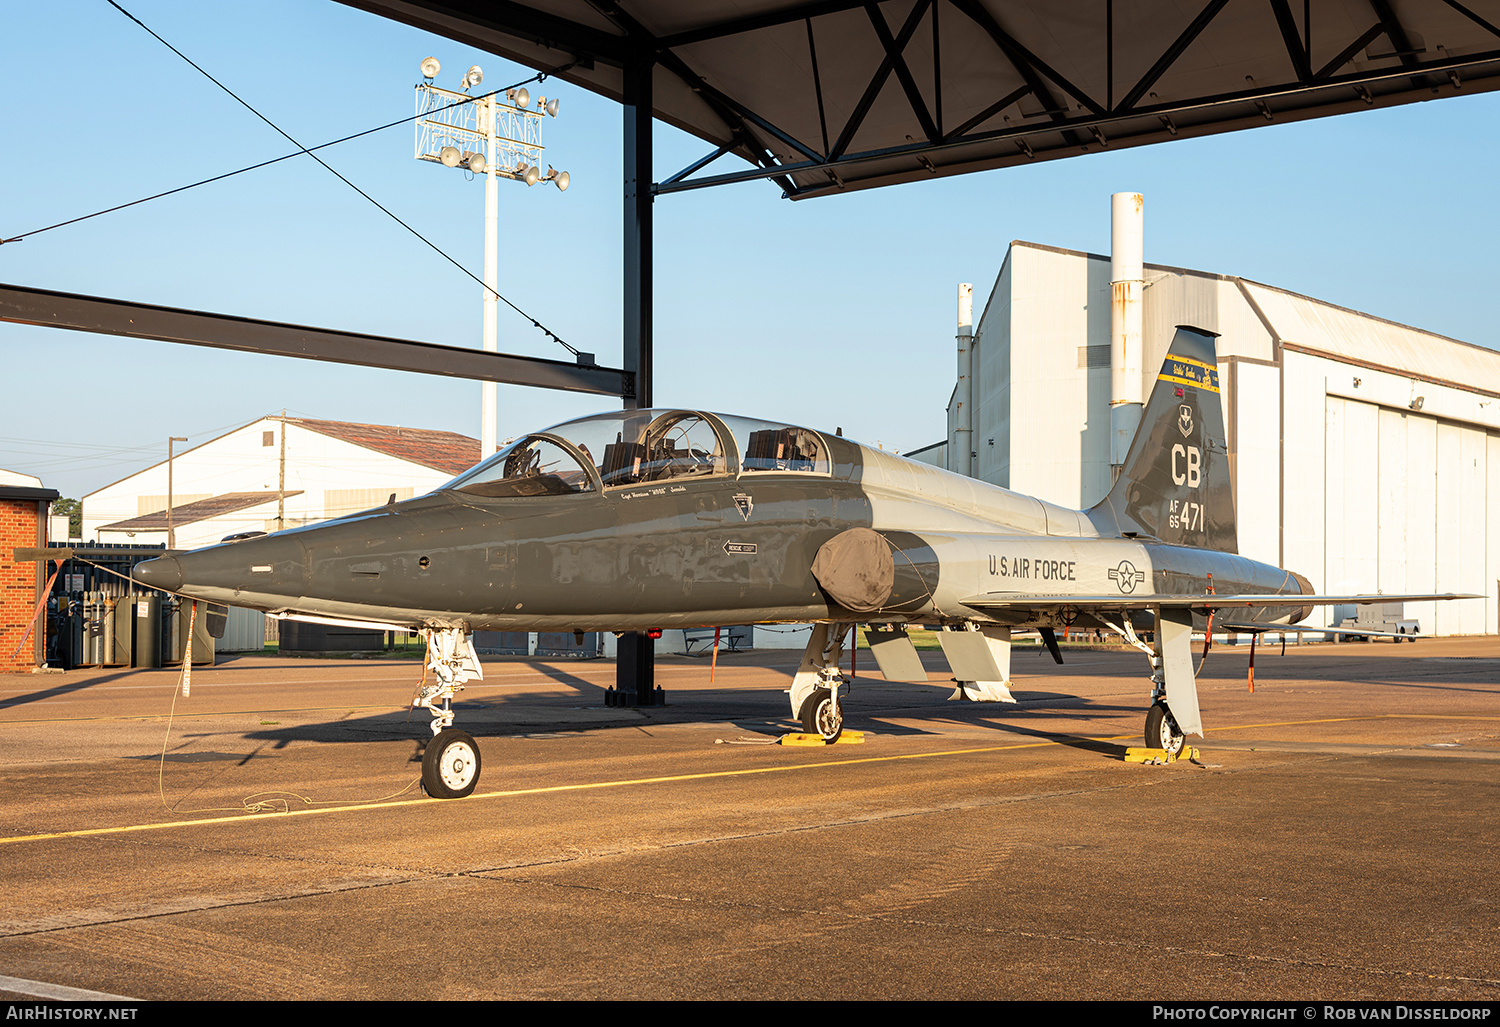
(450, 764)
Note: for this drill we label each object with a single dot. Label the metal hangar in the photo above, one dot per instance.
(1365, 453)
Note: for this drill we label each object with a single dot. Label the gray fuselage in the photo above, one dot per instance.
(710, 548)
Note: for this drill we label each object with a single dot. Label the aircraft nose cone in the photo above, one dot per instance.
(164, 573)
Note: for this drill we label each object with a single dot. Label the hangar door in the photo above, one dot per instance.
(1411, 505)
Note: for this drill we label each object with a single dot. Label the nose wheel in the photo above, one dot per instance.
(823, 715)
(1162, 731)
(450, 766)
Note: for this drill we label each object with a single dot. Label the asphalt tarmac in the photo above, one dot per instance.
(1335, 840)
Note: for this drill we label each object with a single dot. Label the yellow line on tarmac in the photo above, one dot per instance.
(1344, 720)
(519, 792)
(706, 775)
(198, 714)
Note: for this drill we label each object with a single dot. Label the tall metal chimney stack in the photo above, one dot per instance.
(962, 460)
(1127, 286)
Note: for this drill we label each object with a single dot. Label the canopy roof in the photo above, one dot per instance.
(840, 94)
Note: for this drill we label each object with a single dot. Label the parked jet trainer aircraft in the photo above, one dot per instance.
(645, 519)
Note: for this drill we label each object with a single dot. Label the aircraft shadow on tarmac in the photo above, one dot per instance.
(63, 687)
(901, 713)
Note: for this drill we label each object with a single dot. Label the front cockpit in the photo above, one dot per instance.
(643, 447)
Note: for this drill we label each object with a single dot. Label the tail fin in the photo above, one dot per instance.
(1174, 485)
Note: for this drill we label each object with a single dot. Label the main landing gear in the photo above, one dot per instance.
(1174, 690)
(1162, 731)
(450, 763)
(815, 689)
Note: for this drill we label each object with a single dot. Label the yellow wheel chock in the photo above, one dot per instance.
(1158, 757)
(846, 738)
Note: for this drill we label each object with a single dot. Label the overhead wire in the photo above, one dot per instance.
(274, 801)
(309, 151)
(254, 167)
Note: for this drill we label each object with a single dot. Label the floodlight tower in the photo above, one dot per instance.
(497, 138)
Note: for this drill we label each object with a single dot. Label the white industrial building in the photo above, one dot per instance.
(1365, 454)
(272, 473)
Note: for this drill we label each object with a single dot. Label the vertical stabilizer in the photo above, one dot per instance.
(1174, 485)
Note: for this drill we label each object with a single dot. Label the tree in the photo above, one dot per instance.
(73, 510)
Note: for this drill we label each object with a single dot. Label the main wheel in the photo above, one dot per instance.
(450, 766)
(1162, 731)
(823, 715)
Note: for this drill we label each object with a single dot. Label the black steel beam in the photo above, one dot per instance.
(812, 52)
(1026, 63)
(878, 80)
(1347, 54)
(736, 26)
(734, 114)
(50, 309)
(636, 174)
(1395, 32)
(1066, 126)
(701, 162)
(489, 23)
(1296, 51)
(1169, 56)
(903, 73)
(1476, 19)
(989, 112)
(634, 659)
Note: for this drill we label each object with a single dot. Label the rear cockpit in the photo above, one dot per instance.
(642, 447)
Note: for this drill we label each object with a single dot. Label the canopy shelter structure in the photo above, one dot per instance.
(824, 95)
(827, 95)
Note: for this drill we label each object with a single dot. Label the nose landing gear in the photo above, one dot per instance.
(815, 688)
(450, 763)
(823, 715)
(450, 766)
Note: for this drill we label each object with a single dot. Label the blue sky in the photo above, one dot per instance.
(830, 312)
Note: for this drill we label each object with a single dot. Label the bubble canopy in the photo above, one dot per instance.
(636, 447)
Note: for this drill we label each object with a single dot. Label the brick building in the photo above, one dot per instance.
(24, 507)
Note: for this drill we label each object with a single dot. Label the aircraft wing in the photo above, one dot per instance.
(1346, 632)
(1190, 601)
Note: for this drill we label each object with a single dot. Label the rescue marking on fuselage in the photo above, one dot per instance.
(742, 548)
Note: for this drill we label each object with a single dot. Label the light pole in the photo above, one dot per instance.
(171, 535)
(498, 139)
